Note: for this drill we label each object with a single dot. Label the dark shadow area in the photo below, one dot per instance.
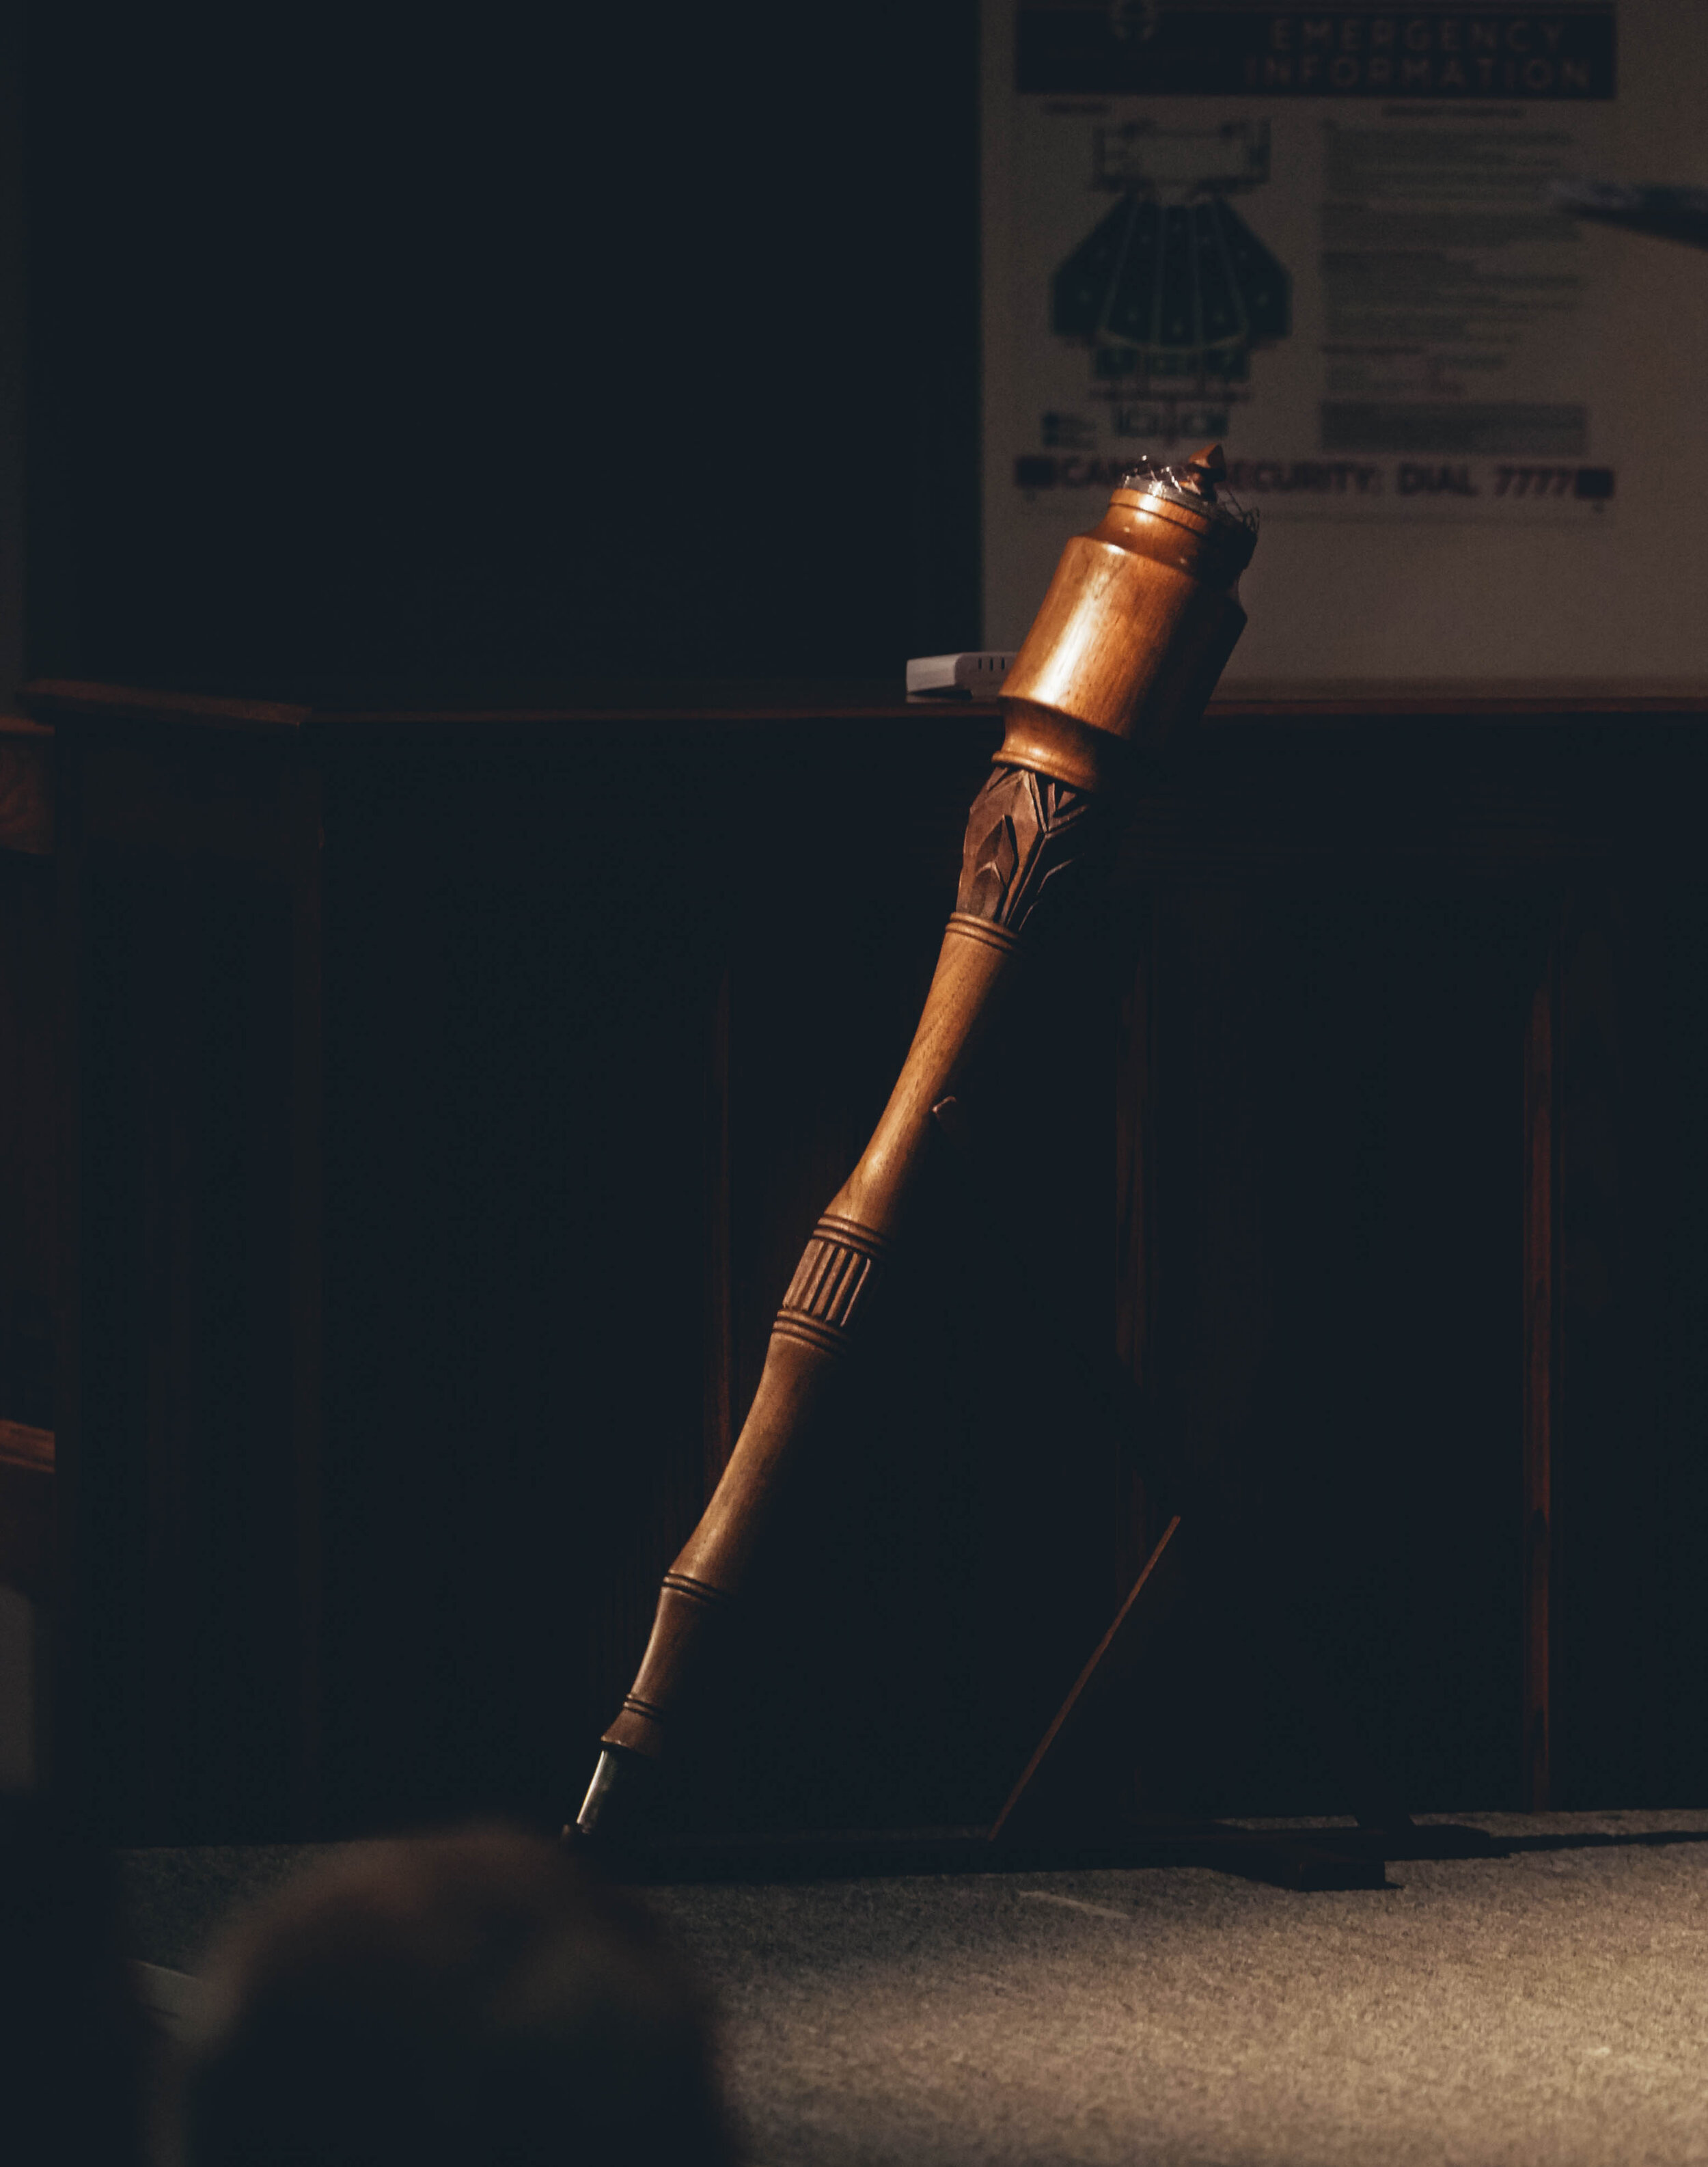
(1603, 1842)
(371, 349)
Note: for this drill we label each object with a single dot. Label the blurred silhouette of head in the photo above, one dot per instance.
(72, 2039)
(466, 1997)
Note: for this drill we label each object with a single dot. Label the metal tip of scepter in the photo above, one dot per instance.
(607, 1778)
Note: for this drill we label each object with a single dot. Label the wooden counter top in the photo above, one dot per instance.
(51, 699)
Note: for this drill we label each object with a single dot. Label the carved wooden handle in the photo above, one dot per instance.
(1024, 832)
(1132, 636)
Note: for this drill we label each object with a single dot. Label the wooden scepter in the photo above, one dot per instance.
(1140, 619)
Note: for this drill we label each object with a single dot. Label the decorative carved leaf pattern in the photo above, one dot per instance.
(1023, 830)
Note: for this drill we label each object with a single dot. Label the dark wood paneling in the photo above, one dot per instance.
(26, 1510)
(522, 964)
(27, 1184)
(183, 1625)
(1631, 1621)
(1543, 1206)
(371, 1472)
(26, 786)
(187, 1520)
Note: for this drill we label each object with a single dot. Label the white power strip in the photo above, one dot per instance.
(956, 676)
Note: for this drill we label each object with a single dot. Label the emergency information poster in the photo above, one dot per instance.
(1323, 235)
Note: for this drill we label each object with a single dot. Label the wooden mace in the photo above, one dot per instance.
(1138, 622)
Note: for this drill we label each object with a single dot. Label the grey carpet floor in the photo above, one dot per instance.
(1547, 2007)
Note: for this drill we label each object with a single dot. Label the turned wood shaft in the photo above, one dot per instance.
(1134, 633)
(832, 1287)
